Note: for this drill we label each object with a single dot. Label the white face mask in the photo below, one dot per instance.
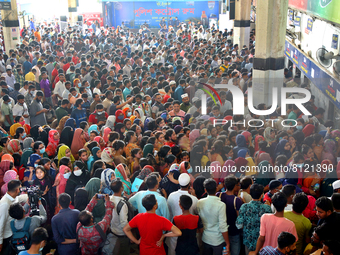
(77, 172)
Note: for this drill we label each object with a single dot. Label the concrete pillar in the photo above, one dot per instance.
(10, 23)
(242, 22)
(271, 22)
(72, 9)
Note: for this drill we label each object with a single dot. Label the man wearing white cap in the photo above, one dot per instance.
(336, 186)
(185, 105)
(174, 208)
(9, 77)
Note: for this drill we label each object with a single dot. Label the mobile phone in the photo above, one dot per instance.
(101, 196)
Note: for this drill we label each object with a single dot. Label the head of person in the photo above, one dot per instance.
(256, 191)
(230, 182)
(324, 207)
(39, 238)
(210, 186)
(300, 202)
(151, 182)
(150, 202)
(13, 187)
(16, 211)
(331, 247)
(286, 243)
(185, 202)
(279, 200)
(64, 200)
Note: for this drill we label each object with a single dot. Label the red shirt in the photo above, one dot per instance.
(151, 227)
(75, 60)
(66, 67)
(165, 99)
(93, 118)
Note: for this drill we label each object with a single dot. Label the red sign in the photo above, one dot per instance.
(90, 17)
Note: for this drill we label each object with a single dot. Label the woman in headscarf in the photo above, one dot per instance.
(120, 129)
(14, 128)
(119, 116)
(81, 199)
(78, 178)
(96, 154)
(263, 156)
(78, 142)
(62, 177)
(14, 147)
(92, 188)
(106, 134)
(65, 151)
(53, 140)
(148, 149)
(178, 129)
(107, 157)
(170, 181)
(258, 139)
(308, 130)
(240, 164)
(8, 176)
(61, 125)
(130, 140)
(283, 148)
(216, 152)
(110, 122)
(241, 144)
(216, 171)
(5, 165)
(100, 142)
(140, 114)
(194, 134)
(66, 136)
(28, 145)
(44, 182)
(107, 176)
(318, 149)
(232, 138)
(93, 127)
(264, 176)
(70, 123)
(329, 150)
(186, 168)
(123, 172)
(269, 135)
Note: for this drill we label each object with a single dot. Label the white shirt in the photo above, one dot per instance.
(10, 80)
(5, 219)
(37, 74)
(59, 88)
(173, 203)
(118, 222)
(23, 91)
(65, 94)
(20, 110)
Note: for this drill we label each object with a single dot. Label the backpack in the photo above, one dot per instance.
(102, 235)
(131, 210)
(20, 240)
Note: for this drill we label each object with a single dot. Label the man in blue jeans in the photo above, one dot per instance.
(233, 204)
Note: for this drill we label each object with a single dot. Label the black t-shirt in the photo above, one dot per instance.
(187, 243)
(112, 109)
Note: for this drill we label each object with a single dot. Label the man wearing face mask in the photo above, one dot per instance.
(38, 241)
(29, 96)
(6, 111)
(99, 117)
(37, 111)
(286, 245)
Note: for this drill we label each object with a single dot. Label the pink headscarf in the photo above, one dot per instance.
(107, 131)
(97, 139)
(194, 134)
(185, 171)
(246, 134)
(9, 175)
(228, 167)
(308, 130)
(216, 169)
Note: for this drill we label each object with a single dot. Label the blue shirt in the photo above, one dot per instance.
(64, 226)
(162, 209)
(128, 50)
(178, 93)
(268, 250)
(126, 92)
(249, 218)
(27, 66)
(79, 116)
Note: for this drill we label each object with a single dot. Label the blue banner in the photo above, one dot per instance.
(310, 24)
(335, 40)
(297, 21)
(321, 79)
(134, 14)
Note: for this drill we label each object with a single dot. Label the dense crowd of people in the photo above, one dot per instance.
(105, 150)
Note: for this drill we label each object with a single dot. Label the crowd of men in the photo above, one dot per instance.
(105, 150)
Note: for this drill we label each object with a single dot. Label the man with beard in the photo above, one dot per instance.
(286, 244)
(37, 111)
(185, 105)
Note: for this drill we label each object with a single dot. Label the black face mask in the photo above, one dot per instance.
(38, 100)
